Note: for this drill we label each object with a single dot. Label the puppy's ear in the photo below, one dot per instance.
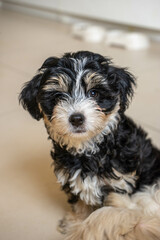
(125, 83)
(28, 97)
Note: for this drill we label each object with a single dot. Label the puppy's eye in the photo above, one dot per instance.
(93, 93)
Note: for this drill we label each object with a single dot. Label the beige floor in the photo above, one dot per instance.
(31, 202)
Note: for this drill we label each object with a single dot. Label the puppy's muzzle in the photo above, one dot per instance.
(77, 119)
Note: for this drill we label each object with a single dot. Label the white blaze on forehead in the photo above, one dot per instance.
(79, 69)
(79, 64)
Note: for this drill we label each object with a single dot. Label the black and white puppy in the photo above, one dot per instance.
(97, 149)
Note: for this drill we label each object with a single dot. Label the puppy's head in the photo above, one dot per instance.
(79, 96)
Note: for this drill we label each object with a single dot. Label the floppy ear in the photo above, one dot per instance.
(125, 83)
(28, 97)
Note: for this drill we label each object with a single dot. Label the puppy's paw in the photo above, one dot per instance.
(62, 226)
(65, 224)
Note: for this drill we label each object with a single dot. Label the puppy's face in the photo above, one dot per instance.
(79, 96)
(77, 101)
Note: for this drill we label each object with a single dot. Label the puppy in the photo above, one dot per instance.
(99, 154)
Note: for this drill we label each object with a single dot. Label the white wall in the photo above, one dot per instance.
(141, 13)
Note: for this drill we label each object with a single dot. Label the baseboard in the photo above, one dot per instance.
(40, 11)
(59, 16)
(31, 10)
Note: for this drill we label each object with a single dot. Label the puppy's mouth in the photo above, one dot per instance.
(79, 130)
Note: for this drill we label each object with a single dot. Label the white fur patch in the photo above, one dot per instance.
(89, 189)
(79, 69)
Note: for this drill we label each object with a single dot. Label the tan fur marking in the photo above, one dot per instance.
(121, 183)
(58, 83)
(92, 79)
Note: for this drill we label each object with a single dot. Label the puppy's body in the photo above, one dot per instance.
(125, 161)
(82, 98)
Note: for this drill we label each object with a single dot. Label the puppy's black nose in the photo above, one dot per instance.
(76, 119)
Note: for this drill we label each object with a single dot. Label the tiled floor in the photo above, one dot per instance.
(31, 202)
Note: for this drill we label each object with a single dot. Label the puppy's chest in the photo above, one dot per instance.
(90, 189)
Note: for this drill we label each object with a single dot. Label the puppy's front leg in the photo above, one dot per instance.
(119, 201)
